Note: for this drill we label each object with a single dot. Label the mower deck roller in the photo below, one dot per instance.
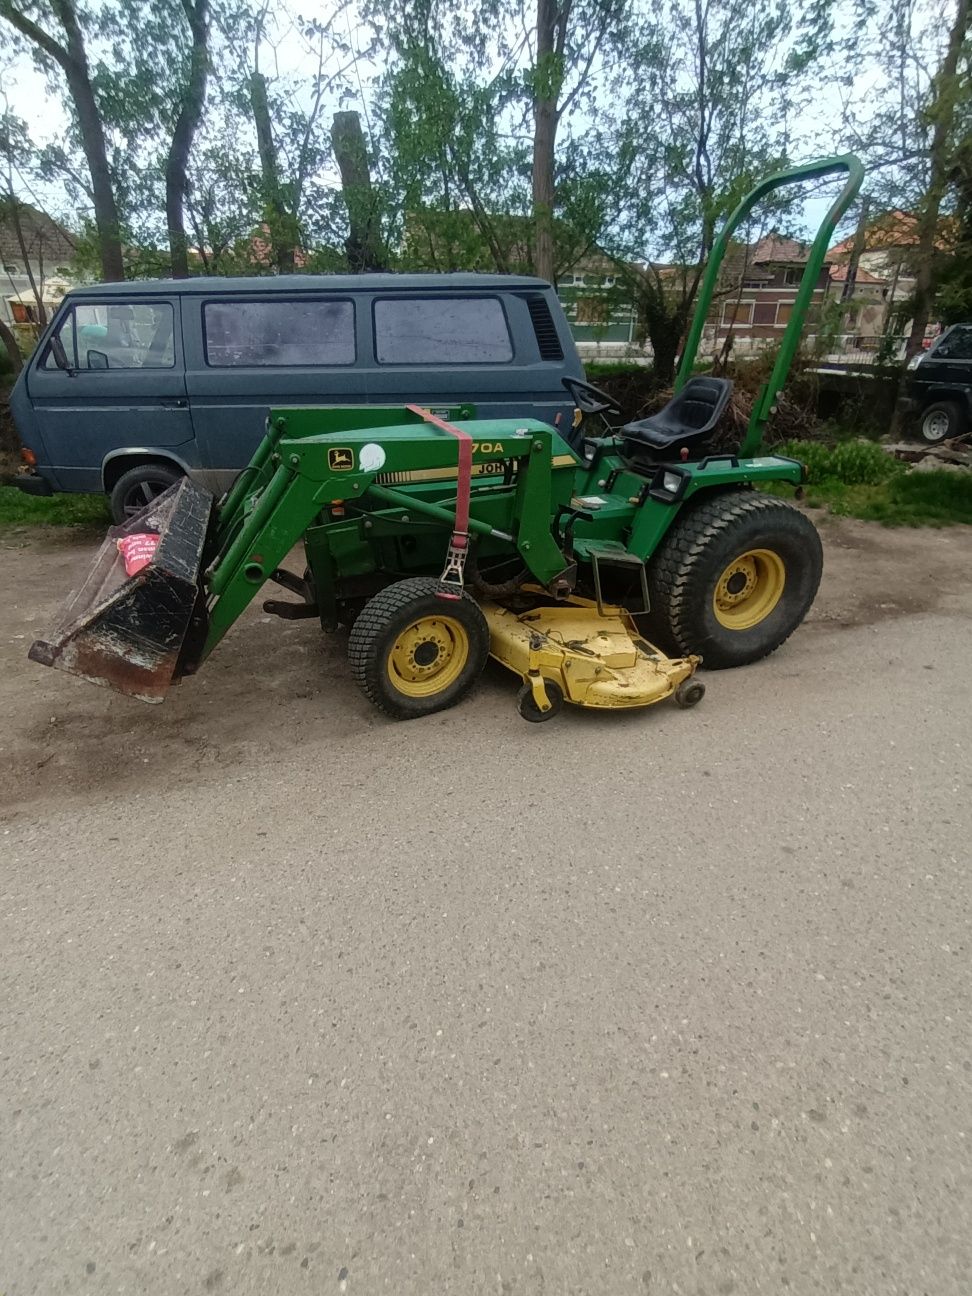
(127, 632)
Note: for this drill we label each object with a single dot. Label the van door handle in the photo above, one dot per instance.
(181, 403)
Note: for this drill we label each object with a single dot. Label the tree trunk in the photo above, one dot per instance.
(664, 338)
(283, 232)
(544, 138)
(93, 142)
(9, 341)
(37, 291)
(73, 60)
(662, 322)
(363, 244)
(943, 108)
(187, 122)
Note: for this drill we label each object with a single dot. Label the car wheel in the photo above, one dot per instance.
(136, 489)
(941, 421)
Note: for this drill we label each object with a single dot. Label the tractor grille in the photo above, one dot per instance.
(544, 328)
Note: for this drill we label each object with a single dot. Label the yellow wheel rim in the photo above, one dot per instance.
(749, 589)
(428, 656)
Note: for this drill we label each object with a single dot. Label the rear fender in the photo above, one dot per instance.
(715, 474)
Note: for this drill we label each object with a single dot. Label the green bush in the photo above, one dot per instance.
(597, 369)
(854, 463)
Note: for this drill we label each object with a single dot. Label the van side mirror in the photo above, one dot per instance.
(97, 360)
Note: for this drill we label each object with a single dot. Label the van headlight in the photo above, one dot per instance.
(915, 361)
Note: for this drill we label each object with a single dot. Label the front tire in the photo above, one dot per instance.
(734, 577)
(941, 421)
(136, 489)
(413, 653)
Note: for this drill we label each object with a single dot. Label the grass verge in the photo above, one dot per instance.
(859, 479)
(18, 509)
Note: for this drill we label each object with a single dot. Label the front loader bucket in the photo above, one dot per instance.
(127, 631)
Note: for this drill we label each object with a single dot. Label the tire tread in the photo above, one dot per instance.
(372, 622)
(677, 560)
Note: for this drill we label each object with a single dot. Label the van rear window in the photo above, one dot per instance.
(441, 331)
(279, 334)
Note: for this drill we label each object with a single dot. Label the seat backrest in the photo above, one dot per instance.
(701, 402)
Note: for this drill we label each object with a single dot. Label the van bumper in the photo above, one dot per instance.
(32, 484)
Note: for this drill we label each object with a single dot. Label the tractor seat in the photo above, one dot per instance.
(688, 419)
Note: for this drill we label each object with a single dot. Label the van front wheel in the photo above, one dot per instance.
(138, 487)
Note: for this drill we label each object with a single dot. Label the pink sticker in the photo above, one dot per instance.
(137, 550)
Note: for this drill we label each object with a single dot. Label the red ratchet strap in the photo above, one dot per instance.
(451, 580)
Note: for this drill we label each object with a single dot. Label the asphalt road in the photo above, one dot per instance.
(297, 1000)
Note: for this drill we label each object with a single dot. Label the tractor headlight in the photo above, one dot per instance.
(915, 361)
(667, 486)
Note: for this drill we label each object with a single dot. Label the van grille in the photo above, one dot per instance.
(544, 328)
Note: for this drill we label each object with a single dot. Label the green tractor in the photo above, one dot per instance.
(602, 577)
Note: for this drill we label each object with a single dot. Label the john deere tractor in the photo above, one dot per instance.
(601, 574)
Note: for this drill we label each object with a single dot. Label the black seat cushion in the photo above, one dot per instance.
(688, 419)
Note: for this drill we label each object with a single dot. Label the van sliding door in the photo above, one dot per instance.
(247, 354)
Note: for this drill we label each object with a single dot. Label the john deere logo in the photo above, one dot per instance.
(340, 459)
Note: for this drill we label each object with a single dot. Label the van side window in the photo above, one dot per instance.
(441, 330)
(122, 335)
(279, 334)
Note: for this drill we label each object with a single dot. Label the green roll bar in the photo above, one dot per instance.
(764, 405)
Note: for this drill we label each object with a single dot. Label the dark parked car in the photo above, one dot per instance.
(134, 385)
(938, 387)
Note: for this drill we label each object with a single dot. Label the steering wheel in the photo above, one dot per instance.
(590, 399)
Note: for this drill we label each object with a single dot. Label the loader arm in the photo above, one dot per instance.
(303, 476)
(375, 472)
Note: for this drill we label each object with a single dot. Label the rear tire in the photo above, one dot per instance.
(413, 653)
(733, 578)
(137, 488)
(941, 421)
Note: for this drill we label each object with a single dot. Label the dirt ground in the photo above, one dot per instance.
(299, 1000)
(273, 684)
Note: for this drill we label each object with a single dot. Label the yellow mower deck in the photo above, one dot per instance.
(594, 657)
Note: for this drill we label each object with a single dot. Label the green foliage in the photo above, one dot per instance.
(6, 364)
(934, 499)
(859, 479)
(698, 116)
(18, 509)
(599, 369)
(851, 463)
(931, 498)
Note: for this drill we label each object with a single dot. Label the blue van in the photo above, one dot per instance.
(133, 385)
